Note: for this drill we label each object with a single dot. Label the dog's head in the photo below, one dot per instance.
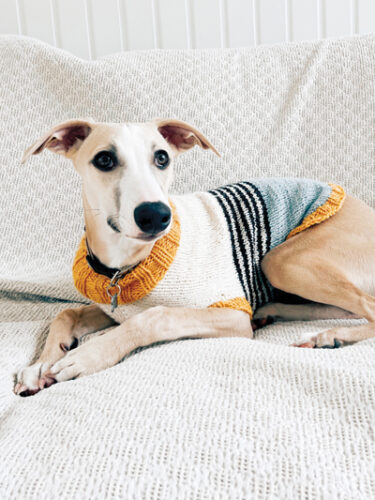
(126, 169)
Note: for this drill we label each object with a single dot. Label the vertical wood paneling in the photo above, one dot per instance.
(8, 17)
(54, 23)
(172, 34)
(288, 20)
(206, 23)
(190, 41)
(354, 17)
(72, 27)
(138, 24)
(337, 16)
(33, 13)
(155, 23)
(88, 25)
(122, 27)
(20, 17)
(104, 18)
(223, 19)
(115, 25)
(255, 13)
(304, 19)
(320, 19)
(240, 23)
(366, 16)
(271, 21)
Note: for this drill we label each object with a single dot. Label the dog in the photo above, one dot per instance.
(160, 269)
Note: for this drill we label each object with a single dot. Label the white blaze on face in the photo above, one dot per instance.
(135, 180)
(140, 181)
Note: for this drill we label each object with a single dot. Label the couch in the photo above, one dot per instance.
(193, 419)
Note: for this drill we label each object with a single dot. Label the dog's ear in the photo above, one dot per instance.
(65, 139)
(182, 136)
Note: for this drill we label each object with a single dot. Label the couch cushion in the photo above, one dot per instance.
(302, 109)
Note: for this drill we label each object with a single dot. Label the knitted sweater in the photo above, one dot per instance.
(212, 254)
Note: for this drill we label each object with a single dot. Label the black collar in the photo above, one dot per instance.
(97, 265)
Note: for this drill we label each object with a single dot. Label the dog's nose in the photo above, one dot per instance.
(152, 217)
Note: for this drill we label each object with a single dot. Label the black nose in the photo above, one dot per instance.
(152, 217)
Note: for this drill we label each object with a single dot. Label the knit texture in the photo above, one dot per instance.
(193, 419)
(322, 213)
(138, 282)
(234, 234)
(238, 303)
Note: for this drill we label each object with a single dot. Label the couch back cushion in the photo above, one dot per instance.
(304, 109)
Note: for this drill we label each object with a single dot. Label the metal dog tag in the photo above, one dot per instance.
(114, 302)
(114, 297)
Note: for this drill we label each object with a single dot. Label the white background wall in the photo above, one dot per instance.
(93, 28)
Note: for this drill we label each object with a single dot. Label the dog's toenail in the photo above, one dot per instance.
(307, 345)
(28, 392)
(74, 344)
(66, 348)
(261, 322)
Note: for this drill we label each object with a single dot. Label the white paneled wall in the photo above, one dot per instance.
(93, 28)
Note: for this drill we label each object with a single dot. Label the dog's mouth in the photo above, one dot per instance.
(149, 237)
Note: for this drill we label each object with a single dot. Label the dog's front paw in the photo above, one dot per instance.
(31, 379)
(323, 340)
(267, 311)
(95, 355)
(263, 316)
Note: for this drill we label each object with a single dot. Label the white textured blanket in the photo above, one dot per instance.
(196, 419)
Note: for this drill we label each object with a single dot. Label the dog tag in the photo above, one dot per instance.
(114, 302)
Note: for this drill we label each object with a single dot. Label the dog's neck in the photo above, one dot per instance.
(112, 249)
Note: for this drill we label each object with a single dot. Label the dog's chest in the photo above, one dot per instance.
(202, 272)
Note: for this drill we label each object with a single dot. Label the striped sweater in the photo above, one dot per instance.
(212, 254)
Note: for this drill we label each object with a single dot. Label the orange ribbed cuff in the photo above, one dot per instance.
(322, 213)
(139, 281)
(238, 303)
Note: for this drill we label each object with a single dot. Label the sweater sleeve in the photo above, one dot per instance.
(238, 303)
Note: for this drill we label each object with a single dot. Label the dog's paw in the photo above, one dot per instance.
(263, 316)
(91, 357)
(261, 322)
(267, 311)
(32, 379)
(323, 340)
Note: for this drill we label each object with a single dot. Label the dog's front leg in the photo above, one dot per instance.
(153, 325)
(64, 332)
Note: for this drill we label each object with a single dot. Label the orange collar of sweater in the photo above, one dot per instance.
(138, 282)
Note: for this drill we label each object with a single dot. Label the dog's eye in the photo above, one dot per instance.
(161, 159)
(105, 160)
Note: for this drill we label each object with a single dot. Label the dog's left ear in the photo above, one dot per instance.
(182, 136)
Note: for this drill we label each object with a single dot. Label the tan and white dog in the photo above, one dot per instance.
(126, 171)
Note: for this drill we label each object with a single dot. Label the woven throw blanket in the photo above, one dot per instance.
(197, 419)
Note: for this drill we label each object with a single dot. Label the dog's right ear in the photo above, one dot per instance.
(65, 139)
